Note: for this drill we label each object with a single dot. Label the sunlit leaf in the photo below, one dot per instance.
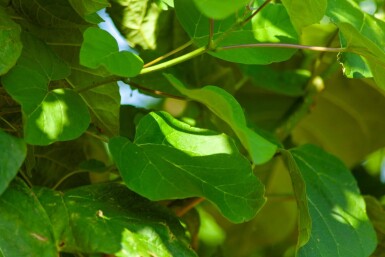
(226, 107)
(272, 24)
(11, 158)
(220, 9)
(340, 226)
(25, 228)
(99, 48)
(10, 43)
(169, 160)
(108, 218)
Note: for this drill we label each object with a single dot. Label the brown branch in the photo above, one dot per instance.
(283, 45)
(156, 92)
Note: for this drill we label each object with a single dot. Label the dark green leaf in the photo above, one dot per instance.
(340, 226)
(220, 9)
(226, 107)
(376, 215)
(99, 48)
(306, 12)
(169, 159)
(354, 66)
(61, 116)
(10, 43)
(25, 228)
(87, 7)
(11, 158)
(106, 218)
(227, 33)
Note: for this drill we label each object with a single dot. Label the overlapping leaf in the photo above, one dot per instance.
(10, 42)
(219, 9)
(169, 159)
(11, 158)
(99, 48)
(340, 226)
(226, 107)
(50, 115)
(272, 24)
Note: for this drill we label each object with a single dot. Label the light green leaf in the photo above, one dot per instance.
(87, 7)
(10, 159)
(226, 107)
(61, 116)
(220, 9)
(272, 25)
(177, 166)
(10, 43)
(25, 228)
(306, 12)
(99, 48)
(299, 188)
(105, 218)
(340, 226)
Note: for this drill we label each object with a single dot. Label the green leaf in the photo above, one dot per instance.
(306, 12)
(99, 48)
(220, 9)
(226, 107)
(10, 43)
(167, 161)
(106, 218)
(87, 7)
(347, 115)
(299, 188)
(61, 116)
(354, 66)
(25, 228)
(376, 214)
(228, 33)
(340, 226)
(10, 159)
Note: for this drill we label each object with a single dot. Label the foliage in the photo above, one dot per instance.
(258, 146)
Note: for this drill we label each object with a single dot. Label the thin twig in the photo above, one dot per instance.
(211, 33)
(156, 92)
(67, 176)
(9, 124)
(255, 12)
(188, 205)
(168, 54)
(283, 45)
(103, 139)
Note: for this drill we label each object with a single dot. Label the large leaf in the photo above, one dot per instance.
(50, 115)
(87, 7)
(306, 12)
(226, 107)
(11, 158)
(169, 160)
(10, 43)
(25, 227)
(340, 226)
(99, 48)
(108, 218)
(220, 9)
(348, 114)
(272, 24)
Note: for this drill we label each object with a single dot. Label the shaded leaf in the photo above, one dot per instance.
(226, 107)
(99, 48)
(10, 43)
(340, 226)
(306, 12)
(25, 228)
(219, 9)
(354, 66)
(87, 7)
(11, 159)
(259, 30)
(176, 165)
(376, 214)
(105, 218)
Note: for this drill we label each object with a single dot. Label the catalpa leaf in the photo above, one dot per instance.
(226, 107)
(99, 48)
(271, 25)
(220, 9)
(108, 218)
(340, 226)
(25, 227)
(10, 43)
(170, 160)
(87, 7)
(306, 12)
(11, 159)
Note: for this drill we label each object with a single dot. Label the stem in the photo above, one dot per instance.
(67, 176)
(211, 33)
(156, 92)
(168, 54)
(9, 124)
(174, 61)
(255, 13)
(283, 45)
(26, 179)
(186, 206)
